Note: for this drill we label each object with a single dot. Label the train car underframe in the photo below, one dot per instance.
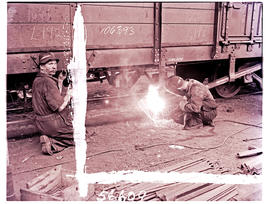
(224, 76)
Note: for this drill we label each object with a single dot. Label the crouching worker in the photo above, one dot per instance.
(197, 107)
(52, 117)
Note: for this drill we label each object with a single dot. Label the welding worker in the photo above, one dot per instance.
(52, 115)
(197, 106)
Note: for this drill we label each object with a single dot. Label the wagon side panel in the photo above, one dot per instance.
(32, 28)
(188, 31)
(119, 34)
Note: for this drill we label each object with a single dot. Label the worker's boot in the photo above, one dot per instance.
(198, 126)
(192, 121)
(46, 145)
(209, 123)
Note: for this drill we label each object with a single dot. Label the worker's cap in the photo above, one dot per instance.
(45, 57)
(174, 84)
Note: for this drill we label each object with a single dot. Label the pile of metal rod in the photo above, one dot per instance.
(181, 191)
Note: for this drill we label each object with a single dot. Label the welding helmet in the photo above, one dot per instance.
(45, 57)
(174, 84)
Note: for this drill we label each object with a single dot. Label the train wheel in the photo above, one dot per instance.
(229, 89)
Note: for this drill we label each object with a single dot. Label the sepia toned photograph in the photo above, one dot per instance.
(134, 101)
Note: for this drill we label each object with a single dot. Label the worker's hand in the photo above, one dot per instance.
(62, 76)
(69, 92)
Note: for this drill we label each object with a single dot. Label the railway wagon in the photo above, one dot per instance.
(218, 43)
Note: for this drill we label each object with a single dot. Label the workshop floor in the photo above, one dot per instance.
(113, 147)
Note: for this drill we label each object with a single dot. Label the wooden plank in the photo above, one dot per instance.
(68, 177)
(249, 153)
(47, 181)
(71, 193)
(28, 195)
(36, 181)
(198, 192)
(52, 184)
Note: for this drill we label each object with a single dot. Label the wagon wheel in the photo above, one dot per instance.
(229, 89)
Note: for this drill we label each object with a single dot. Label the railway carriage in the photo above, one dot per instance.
(218, 43)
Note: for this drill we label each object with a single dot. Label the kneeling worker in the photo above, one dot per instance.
(52, 116)
(198, 106)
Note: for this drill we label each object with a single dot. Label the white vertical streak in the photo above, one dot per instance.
(77, 69)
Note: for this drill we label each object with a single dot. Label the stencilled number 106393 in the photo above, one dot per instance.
(119, 30)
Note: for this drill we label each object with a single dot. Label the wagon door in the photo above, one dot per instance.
(239, 41)
(240, 25)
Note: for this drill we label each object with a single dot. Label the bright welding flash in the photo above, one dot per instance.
(153, 100)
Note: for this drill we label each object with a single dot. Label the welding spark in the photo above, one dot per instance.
(152, 104)
(153, 101)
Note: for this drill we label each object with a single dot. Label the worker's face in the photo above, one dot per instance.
(49, 68)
